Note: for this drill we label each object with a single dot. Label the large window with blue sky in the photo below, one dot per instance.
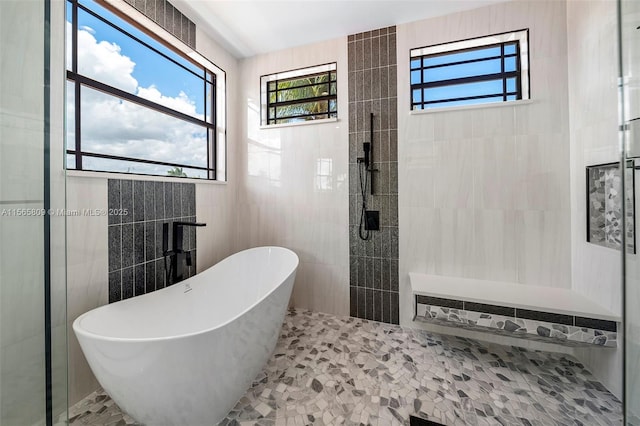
(476, 71)
(135, 105)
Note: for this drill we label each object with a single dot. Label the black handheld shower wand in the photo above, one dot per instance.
(366, 147)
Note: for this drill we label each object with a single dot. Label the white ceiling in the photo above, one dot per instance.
(250, 27)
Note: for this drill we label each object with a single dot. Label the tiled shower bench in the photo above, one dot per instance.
(547, 314)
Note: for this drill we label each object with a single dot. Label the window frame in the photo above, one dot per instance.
(522, 91)
(295, 74)
(215, 168)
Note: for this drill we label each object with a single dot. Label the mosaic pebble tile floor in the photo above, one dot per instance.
(329, 370)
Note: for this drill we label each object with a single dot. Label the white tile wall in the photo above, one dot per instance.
(280, 202)
(491, 199)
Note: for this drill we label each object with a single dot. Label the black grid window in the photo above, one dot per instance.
(156, 117)
(301, 97)
(460, 75)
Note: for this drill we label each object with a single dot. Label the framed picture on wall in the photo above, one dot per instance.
(604, 206)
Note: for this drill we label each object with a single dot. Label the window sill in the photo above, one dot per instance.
(467, 107)
(302, 123)
(130, 176)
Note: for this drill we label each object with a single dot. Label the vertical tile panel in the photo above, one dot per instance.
(384, 82)
(361, 272)
(158, 198)
(192, 35)
(377, 274)
(159, 238)
(177, 199)
(368, 271)
(361, 302)
(359, 55)
(392, 49)
(385, 268)
(115, 286)
(184, 34)
(393, 144)
(184, 195)
(375, 52)
(126, 194)
(351, 56)
(168, 200)
(384, 114)
(395, 313)
(138, 242)
(149, 241)
(376, 240)
(393, 78)
(386, 306)
(368, 244)
(375, 83)
(369, 304)
(127, 283)
(381, 143)
(149, 201)
(366, 54)
(366, 84)
(383, 206)
(353, 271)
(372, 88)
(377, 305)
(139, 280)
(177, 23)
(161, 13)
(127, 245)
(359, 93)
(192, 199)
(393, 242)
(138, 201)
(393, 108)
(393, 275)
(393, 177)
(393, 211)
(384, 51)
(151, 9)
(113, 201)
(115, 247)
(353, 301)
(150, 277)
(168, 17)
(139, 4)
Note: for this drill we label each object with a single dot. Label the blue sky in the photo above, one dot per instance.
(170, 82)
(490, 66)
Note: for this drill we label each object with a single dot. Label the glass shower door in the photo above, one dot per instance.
(32, 250)
(629, 30)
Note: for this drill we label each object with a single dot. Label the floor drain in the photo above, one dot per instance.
(417, 421)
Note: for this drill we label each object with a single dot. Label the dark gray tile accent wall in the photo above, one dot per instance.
(137, 210)
(169, 18)
(372, 88)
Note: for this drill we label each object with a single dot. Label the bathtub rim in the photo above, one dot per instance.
(79, 330)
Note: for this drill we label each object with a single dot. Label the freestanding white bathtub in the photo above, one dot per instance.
(185, 354)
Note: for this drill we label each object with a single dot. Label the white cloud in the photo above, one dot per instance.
(180, 103)
(117, 127)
